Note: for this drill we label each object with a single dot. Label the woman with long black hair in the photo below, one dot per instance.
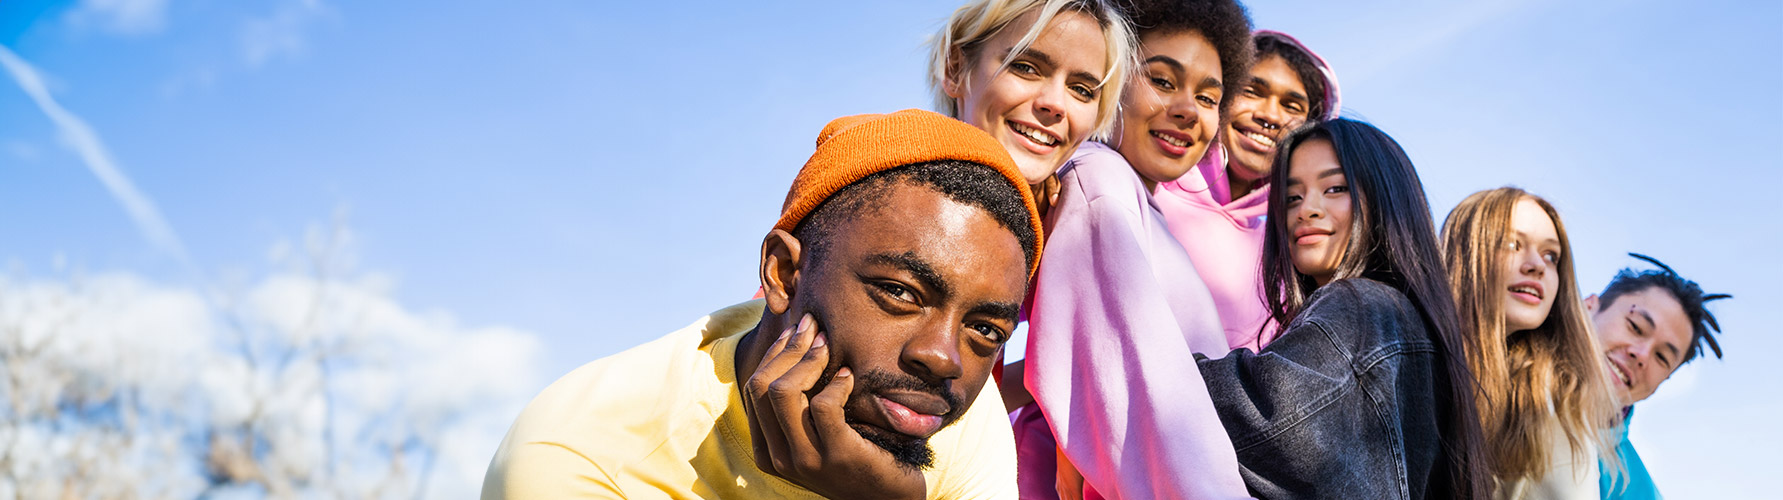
(1366, 391)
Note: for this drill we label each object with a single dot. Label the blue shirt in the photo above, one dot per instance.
(1636, 484)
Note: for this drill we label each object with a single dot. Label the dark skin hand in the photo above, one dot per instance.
(920, 290)
(806, 439)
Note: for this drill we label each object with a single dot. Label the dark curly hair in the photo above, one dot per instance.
(1689, 295)
(1303, 65)
(1224, 23)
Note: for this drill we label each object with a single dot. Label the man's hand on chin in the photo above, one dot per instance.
(806, 440)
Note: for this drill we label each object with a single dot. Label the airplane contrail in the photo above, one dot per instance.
(80, 138)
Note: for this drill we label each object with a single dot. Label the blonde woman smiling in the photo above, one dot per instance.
(1041, 76)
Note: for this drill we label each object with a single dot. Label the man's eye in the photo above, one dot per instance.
(896, 291)
(991, 332)
(1295, 108)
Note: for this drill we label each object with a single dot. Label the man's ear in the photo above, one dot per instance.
(953, 78)
(780, 259)
(1591, 305)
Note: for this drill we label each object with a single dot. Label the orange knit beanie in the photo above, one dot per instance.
(853, 147)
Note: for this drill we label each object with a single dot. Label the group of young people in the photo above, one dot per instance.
(1230, 291)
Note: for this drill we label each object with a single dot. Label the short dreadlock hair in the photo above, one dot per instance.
(1702, 323)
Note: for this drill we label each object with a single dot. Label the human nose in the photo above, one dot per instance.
(934, 352)
(1182, 110)
(1311, 208)
(1050, 104)
(1270, 116)
(1533, 264)
(1639, 353)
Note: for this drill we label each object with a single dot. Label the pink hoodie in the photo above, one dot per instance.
(1223, 236)
(1115, 319)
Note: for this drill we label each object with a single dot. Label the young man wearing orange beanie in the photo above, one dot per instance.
(890, 283)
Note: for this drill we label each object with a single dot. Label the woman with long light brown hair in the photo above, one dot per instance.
(1542, 395)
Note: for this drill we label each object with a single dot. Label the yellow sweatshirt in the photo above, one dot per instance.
(665, 420)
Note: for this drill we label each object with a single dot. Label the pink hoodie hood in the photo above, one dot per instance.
(1223, 236)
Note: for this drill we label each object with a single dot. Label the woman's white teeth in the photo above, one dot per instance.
(1525, 289)
(1260, 138)
(1172, 140)
(1032, 134)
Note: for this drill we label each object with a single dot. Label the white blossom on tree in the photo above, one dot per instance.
(305, 381)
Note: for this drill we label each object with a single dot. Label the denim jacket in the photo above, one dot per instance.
(1344, 404)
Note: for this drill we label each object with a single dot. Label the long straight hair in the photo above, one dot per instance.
(1525, 375)
(1393, 241)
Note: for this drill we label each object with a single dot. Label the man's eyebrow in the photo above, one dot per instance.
(1298, 96)
(1000, 310)
(1643, 314)
(1674, 352)
(909, 262)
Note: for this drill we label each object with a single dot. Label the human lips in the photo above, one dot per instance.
(1620, 371)
(1253, 139)
(1036, 139)
(1311, 235)
(1529, 292)
(1172, 142)
(913, 414)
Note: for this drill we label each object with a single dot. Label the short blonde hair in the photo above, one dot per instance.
(979, 20)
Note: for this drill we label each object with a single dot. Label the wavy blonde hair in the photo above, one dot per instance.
(979, 20)
(1525, 376)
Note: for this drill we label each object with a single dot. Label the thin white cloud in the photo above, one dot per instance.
(200, 79)
(280, 34)
(21, 150)
(80, 138)
(122, 17)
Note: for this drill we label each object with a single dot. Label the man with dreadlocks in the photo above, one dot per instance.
(1649, 323)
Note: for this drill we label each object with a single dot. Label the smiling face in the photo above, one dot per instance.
(1169, 113)
(1644, 335)
(1271, 105)
(1530, 265)
(916, 295)
(1044, 104)
(1318, 210)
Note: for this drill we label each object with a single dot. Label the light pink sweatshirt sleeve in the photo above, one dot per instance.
(1118, 312)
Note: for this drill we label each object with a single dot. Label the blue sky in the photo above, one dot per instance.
(601, 174)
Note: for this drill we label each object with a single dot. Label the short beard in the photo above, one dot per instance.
(909, 451)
